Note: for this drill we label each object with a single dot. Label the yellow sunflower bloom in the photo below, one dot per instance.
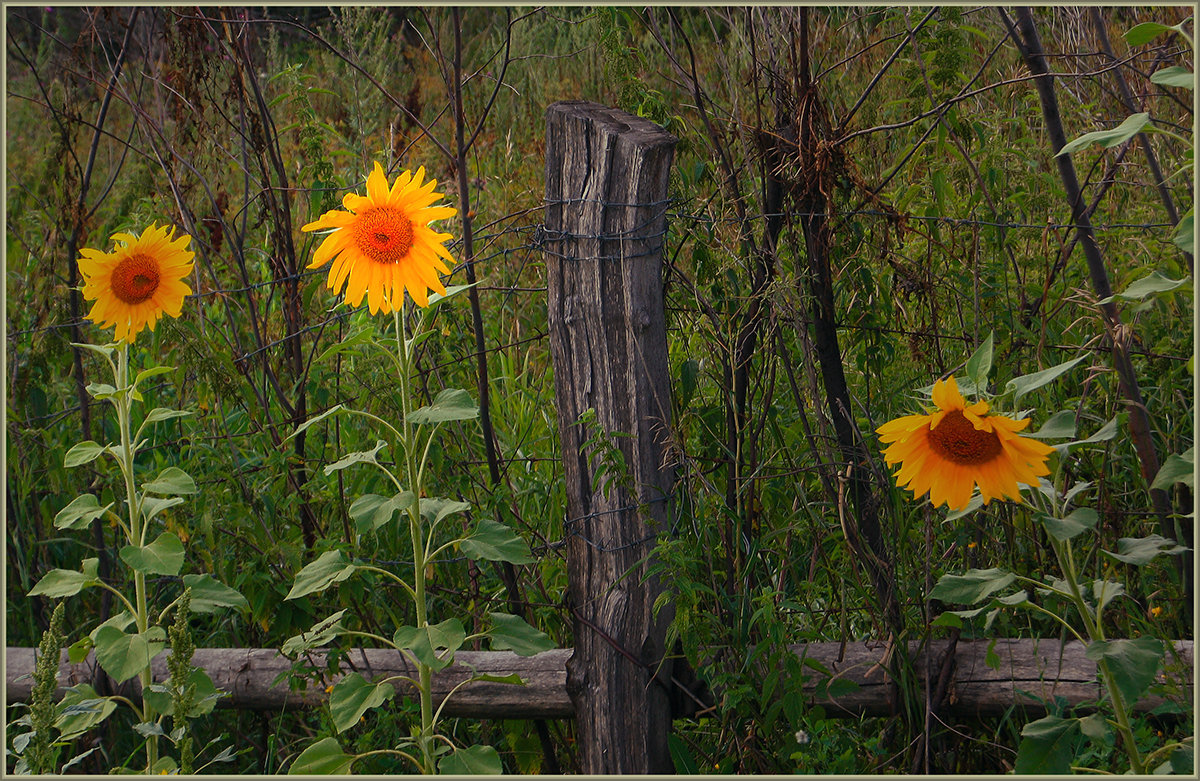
(138, 282)
(948, 452)
(382, 244)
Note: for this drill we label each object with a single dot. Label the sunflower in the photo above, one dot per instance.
(138, 282)
(382, 244)
(948, 452)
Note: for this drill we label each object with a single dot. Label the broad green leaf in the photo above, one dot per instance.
(1185, 234)
(1106, 591)
(58, 583)
(1152, 284)
(1060, 425)
(210, 595)
(153, 371)
(973, 504)
(1076, 489)
(164, 556)
(1109, 138)
(979, 365)
(512, 678)
(452, 290)
(513, 634)
(972, 586)
(433, 645)
(1015, 598)
(152, 505)
(1140, 551)
(1132, 663)
(1077, 522)
(353, 696)
(79, 649)
(365, 456)
(1019, 386)
(494, 541)
(123, 655)
(1106, 432)
(83, 453)
(1047, 746)
(320, 634)
(329, 568)
(370, 511)
(1183, 761)
(336, 409)
(450, 404)
(171, 481)
(1174, 76)
(436, 509)
(102, 390)
(1145, 32)
(80, 710)
(1176, 469)
(105, 350)
(1095, 728)
(475, 760)
(80, 512)
(323, 758)
(162, 413)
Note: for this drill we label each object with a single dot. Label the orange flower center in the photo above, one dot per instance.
(956, 439)
(384, 234)
(135, 279)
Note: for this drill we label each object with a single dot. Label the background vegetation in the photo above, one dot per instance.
(240, 125)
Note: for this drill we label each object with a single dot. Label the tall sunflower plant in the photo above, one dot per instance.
(133, 286)
(382, 249)
(964, 455)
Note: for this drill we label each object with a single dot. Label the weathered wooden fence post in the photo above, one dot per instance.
(606, 193)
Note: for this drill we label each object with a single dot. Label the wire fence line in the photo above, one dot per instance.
(538, 242)
(541, 241)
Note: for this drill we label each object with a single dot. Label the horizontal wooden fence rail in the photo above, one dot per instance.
(1029, 672)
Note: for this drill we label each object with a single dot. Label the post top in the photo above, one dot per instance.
(609, 120)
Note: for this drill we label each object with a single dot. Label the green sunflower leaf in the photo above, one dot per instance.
(1140, 551)
(1019, 386)
(450, 404)
(123, 655)
(475, 760)
(329, 568)
(494, 541)
(353, 696)
(164, 556)
(83, 453)
(80, 512)
(210, 595)
(972, 586)
(362, 457)
(1132, 663)
(323, 758)
(172, 481)
(511, 633)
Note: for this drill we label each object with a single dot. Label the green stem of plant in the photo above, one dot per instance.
(424, 671)
(1095, 633)
(137, 533)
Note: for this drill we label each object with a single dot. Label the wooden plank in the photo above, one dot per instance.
(249, 675)
(1029, 672)
(605, 224)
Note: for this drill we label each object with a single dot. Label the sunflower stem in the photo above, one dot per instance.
(1095, 632)
(123, 402)
(416, 532)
